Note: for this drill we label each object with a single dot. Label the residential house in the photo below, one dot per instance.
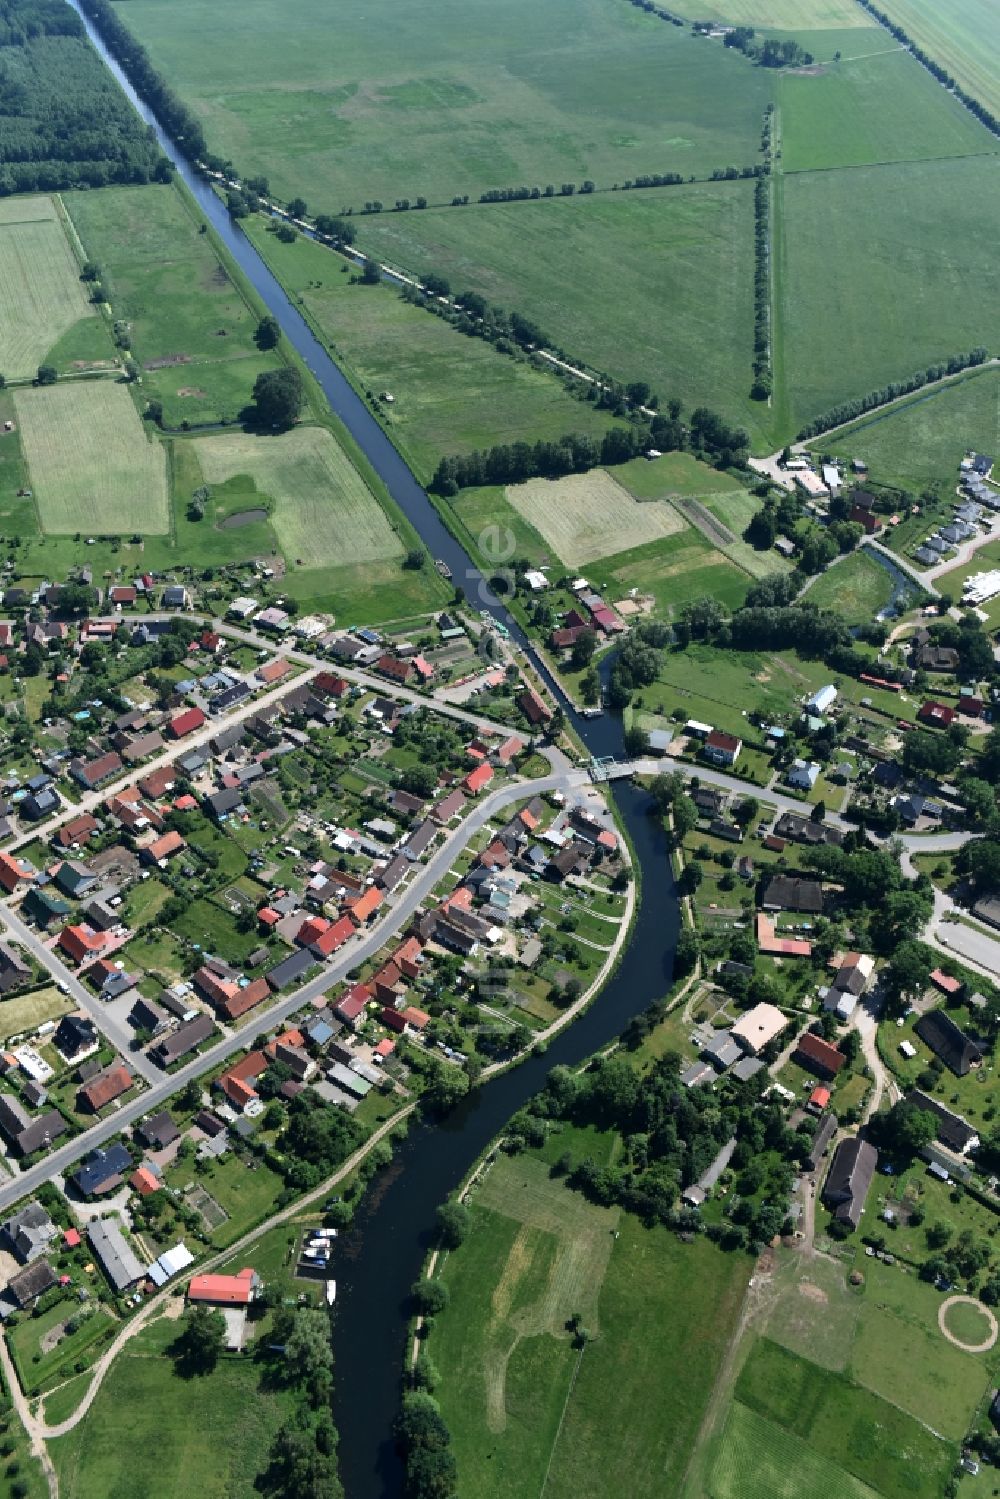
(849, 1178)
(102, 1171)
(804, 774)
(115, 1255)
(29, 1232)
(952, 1130)
(107, 1085)
(722, 749)
(183, 1041)
(790, 893)
(959, 1052)
(817, 1055)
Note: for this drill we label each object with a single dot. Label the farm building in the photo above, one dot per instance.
(849, 1179)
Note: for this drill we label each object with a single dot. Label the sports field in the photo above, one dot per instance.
(450, 394)
(883, 270)
(91, 464)
(324, 513)
(876, 108)
(654, 285)
(923, 441)
(964, 38)
(585, 517)
(537, 1254)
(349, 105)
(41, 294)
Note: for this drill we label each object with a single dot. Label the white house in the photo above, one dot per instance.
(804, 774)
(536, 581)
(822, 700)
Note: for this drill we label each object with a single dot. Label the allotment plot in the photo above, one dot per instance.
(585, 517)
(324, 513)
(41, 294)
(91, 464)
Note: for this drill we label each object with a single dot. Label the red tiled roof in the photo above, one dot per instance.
(938, 714)
(144, 1182)
(311, 930)
(108, 1085)
(478, 778)
(80, 942)
(169, 843)
(226, 1290)
(820, 1052)
(945, 982)
(335, 936)
(363, 906)
(186, 722)
(244, 999)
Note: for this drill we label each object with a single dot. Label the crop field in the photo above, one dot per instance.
(855, 588)
(922, 441)
(91, 465)
(877, 108)
(871, 288)
(450, 394)
(844, 1423)
(41, 294)
(653, 285)
(324, 513)
(585, 517)
(963, 38)
(757, 1460)
(774, 15)
(190, 324)
(347, 106)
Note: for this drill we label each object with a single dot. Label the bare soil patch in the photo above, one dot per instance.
(166, 360)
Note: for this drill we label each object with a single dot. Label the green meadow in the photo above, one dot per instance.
(963, 38)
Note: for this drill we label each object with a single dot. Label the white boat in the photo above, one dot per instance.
(331, 1292)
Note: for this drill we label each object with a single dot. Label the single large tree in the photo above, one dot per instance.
(278, 396)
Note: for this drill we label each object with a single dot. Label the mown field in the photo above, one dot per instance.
(581, 515)
(190, 324)
(450, 394)
(758, 1460)
(877, 108)
(653, 285)
(537, 1253)
(349, 106)
(324, 514)
(784, 15)
(855, 588)
(41, 294)
(151, 1432)
(963, 38)
(92, 466)
(883, 270)
(922, 441)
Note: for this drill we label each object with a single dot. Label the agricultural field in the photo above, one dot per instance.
(41, 294)
(879, 108)
(612, 279)
(757, 1460)
(867, 276)
(777, 15)
(922, 441)
(537, 1254)
(450, 394)
(170, 1427)
(856, 588)
(376, 104)
(582, 514)
(91, 464)
(323, 510)
(188, 314)
(962, 38)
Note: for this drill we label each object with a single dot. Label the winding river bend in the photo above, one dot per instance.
(381, 1256)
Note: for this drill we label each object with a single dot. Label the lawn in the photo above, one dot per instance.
(653, 285)
(586, 517)
(450, 394)
(962, 38)
(92, 465)
(856, 588)
(189, 318)
(26, 1012)
(880, 108)
(37, 1369)
(817, 1313)
(41, 294)
(882, 270)
(757, 1460)
(347, 107)
(844, 1423)
(323, 512)
(916, 1369)
(154, 1435)
(922, 441)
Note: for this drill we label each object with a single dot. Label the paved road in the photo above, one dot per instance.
(356, 952)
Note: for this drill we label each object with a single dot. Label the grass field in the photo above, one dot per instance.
(869, 277)
(538, 1253)
(785, 15)
(844, 1423)
(585, 517)
(968, 1323)
(757, 1460)
(151, 1433)
(190, 324)
(877, 108)
(855, 588)
(652, 285)
(735, 511)
(916, 1369)
(27, 1011)
(41, 294)
(450, 394)
(963, 38)
(349, 106)
(923, 441)
(324, 513)
(91, 464)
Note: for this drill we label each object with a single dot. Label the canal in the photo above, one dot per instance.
(382, 1254)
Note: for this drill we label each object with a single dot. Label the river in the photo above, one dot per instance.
(382, 1254)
